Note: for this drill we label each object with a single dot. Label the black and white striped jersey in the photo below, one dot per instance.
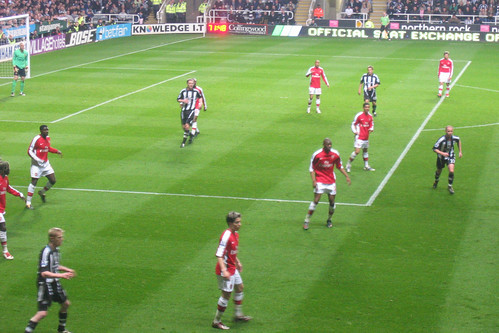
(447, 145)
(192, 96)
(369, 80)
(49, 261)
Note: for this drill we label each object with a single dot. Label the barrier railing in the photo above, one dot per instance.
(227, 15)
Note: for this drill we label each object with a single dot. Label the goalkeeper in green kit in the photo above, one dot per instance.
(385, 21)
(20, 63)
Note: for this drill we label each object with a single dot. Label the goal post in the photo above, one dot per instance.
(14, 30)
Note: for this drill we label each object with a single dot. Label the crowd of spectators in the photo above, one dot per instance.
(357, 9)
(79, 14)
(451, 11)
(256, 11)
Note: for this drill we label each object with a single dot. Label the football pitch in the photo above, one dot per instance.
(143, 217)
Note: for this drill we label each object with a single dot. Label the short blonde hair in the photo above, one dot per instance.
(53, 232)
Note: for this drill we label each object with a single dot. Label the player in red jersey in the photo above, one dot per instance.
(321, 170)
(228, 271)
(445, 71)
(316, 72)
(200, 103)
(40, 166)
(362, 126)
(4, 188)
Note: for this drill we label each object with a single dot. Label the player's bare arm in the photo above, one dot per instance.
(349, 182)
(239, 266)
(460, 149)
(66, 275)
(223, 268)
(314, 181)
(439, 152)
(67, 269)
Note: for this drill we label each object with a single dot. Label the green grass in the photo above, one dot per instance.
(417, 260)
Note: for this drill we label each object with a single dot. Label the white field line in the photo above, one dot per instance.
(221, 52)
(21, 121)
(194, 196)
(308, 55)
(470, 87)
(108, 58)
(135, 68)
(411, 142)
(462, 127)
(119, 97)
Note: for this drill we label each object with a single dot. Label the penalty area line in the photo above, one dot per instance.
(478, 88)
(108, 58)
(195, 196)
(411, 142)
(21, 121)
(134, 69)
(119, 97)
(461, 127)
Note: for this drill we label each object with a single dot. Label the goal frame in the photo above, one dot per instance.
(22, 35)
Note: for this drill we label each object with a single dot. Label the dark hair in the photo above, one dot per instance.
(4, 166)
(232, 217)
(366, 103)
(43, 126)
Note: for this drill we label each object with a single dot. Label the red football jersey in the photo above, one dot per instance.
(446, 66)
(323, 164)
(227, 249)
(39, 149)
(4, 188)
(363, 123)
(315, 76)
(201, 99)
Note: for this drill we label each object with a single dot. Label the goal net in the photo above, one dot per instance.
(14, 30)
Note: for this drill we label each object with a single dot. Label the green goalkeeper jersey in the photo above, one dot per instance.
(20, 59)
(385, 20)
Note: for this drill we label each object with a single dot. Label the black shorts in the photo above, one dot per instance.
(370, 95)
(20, 72)
(50, 292)
(384, 27)
(187, 117)
(443, 161)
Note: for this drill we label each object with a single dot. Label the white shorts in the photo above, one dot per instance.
(39, 171)
(227, 285)
(361, 143)
(325, 188)
(444, 77)
(314, 91)
(2, 218)
(196, 112)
